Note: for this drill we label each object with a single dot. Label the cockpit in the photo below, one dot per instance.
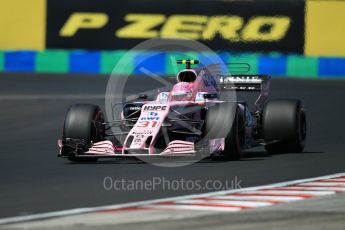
(191, 84)
(186, 76)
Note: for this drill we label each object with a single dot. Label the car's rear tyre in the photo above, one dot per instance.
(226, 121)
(83, 121)
(284, 126)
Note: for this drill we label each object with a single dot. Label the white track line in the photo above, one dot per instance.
(260, 198)
(193, 207)
(335, 180)
(301, 192)
(248, 204)
(58, 96)
(149, 202)
(326, 184)
(52, 96)
(335, 189)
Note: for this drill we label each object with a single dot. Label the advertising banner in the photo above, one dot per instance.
(22, 24)
(325, 32)
(220, 25)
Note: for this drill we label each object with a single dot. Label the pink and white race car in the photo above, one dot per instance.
(190, 120)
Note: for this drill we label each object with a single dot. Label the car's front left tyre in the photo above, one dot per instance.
(225, 120)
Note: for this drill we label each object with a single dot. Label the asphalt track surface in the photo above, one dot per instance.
(34, 180)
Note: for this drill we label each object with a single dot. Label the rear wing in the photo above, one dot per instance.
(244, 82)
(258, 83)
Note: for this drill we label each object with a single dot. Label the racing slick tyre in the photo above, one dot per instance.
(225, 120)
(83, 121)
(284, 126)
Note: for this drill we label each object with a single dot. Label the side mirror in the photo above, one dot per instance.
(210, 95)
(142, 96)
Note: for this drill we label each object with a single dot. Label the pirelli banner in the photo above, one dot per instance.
(311, 27)
(220, 25)
(110, 24)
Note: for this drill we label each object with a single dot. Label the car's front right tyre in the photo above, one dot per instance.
(83, 122)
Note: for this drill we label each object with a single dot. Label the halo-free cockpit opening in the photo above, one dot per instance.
(186, 76)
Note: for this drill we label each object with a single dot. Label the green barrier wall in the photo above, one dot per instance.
(52, 61)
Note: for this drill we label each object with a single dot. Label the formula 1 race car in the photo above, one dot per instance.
(187, 121)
